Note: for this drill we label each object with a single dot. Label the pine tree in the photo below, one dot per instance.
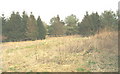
(83, 26)
(109, 20)
(90, 24)
(32, 29)
(57, 26)
(41, 29)
(3, 24)
(14, 27)
(24, 22)
(71, 22)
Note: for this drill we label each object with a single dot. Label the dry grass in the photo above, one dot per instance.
(62, 54)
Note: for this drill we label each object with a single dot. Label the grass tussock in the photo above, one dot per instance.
(63, 54)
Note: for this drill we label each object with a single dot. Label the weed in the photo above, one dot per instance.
(91, 62)
(12, 68)
(80, 69)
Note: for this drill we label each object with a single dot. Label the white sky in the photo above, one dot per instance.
(50, 8)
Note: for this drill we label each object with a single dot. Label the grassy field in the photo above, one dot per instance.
(97, 53)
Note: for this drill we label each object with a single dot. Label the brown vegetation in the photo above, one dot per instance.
(96, 53)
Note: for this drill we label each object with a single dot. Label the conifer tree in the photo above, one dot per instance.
(90, 24)
(57, 26)
(14, 27)
(3, 22)
(109, 20)
(71, 27)
(32, 29)
(24, 23)
(41, 29)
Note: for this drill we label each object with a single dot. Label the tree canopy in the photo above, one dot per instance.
(26, 27)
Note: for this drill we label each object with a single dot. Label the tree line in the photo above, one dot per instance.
(91, 24)
(17, 28)
(23, 27)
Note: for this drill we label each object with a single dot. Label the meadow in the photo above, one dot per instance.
(98, 53)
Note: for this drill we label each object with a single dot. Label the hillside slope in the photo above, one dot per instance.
(62, 54)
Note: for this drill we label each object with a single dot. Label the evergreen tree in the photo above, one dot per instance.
(3, 24)
(90, 24)
(14, 27)
(41, 29)
(71, 30)
(57, 26)
(24, 23)
(71, 22)
(32, 29)
(109, 20)
(4, 28)
(83, 26)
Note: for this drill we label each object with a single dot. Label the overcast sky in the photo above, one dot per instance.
(50, 8)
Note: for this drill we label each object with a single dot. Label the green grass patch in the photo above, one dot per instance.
(80, 69)
(91, 62)
(12, 68)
